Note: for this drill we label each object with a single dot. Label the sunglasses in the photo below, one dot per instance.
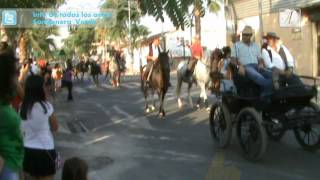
(246, 34)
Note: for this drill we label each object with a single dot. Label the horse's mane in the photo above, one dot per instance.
(163, 59)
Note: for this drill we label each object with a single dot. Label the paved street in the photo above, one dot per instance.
(109, 129)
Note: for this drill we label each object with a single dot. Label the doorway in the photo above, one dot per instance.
(318, 46)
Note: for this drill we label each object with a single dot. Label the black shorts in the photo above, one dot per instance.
(38, 163)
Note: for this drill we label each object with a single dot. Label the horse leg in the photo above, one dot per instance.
(178, 91)
(205, 98)
(81, 74)
(118, 79)
(153, 107)
(97, 79)
(147, 110)
(161, 110)
(189, 95)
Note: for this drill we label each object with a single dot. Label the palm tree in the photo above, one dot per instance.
(79, 41)
(41, 42)
(22, 33)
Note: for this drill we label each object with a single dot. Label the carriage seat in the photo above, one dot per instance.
(295, 92)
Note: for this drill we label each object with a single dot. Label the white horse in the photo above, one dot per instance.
(200, 77)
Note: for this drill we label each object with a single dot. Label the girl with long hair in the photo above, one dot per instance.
(39, 122)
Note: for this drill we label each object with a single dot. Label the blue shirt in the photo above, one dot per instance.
(246, 54)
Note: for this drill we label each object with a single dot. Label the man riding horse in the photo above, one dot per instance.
(196, 54)
(154, 50)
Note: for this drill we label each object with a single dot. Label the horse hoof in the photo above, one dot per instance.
(180, 104)
(147, 110)
(198, 106)
(153, 108)
(162, 114)
(208, 109)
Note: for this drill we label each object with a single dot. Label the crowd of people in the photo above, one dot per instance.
(27, 116)
(28, 121)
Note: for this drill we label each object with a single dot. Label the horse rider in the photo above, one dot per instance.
(278, 58)
(246, 55)
(154, 50)
(196, 54)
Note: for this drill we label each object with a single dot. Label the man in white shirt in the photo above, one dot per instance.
(278, 58)
(154, 50)
(247, 56)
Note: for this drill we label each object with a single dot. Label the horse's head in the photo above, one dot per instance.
(164, 57)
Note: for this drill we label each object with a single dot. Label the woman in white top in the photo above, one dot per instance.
(38, 124)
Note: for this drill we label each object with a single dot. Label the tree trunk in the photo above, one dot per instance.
(23, 50)
(198, 23)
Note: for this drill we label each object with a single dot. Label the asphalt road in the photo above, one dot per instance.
(109, 129)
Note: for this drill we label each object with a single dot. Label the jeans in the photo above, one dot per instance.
(262, 77)
(69, 86)
(8, 174)
(293, 80)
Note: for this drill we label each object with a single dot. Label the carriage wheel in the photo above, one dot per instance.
(220, 124)
(272, 129)
(251, 134)
(308, 135)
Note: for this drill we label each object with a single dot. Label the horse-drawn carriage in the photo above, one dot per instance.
(258, 119)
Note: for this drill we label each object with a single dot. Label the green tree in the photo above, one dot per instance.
(42, 43)
(22, 33)
(80, 41)
(178, 10)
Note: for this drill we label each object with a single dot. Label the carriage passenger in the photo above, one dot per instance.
(225, 63)
(279, 59)
(247, 56)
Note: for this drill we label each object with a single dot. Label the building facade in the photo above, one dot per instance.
(297, 22)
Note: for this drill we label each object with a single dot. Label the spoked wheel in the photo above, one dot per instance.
(273, 129)
(308, 135)
(220, 124)
(251, 134)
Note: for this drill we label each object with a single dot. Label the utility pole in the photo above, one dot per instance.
(129, 27)
(261, 21)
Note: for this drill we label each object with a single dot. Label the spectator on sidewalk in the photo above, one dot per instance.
(57, 77)
(39, 122)
(11, 144)
(75, 169)
(67, 78)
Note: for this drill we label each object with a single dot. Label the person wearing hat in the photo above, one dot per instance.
(279, 59)
(247, 56)
(154, 50)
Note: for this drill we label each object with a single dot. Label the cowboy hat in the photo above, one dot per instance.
(271, 35)
(247, 30)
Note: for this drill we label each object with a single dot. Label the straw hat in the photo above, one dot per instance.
(247, 30)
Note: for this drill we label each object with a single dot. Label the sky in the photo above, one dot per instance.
(210, 23)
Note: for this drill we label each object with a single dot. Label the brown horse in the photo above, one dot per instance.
(159, 82)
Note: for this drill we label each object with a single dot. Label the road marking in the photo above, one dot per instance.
(129, 86)
(80, 90)
(218, 171)
(63, 128)
(141, 121)
(97, 140)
